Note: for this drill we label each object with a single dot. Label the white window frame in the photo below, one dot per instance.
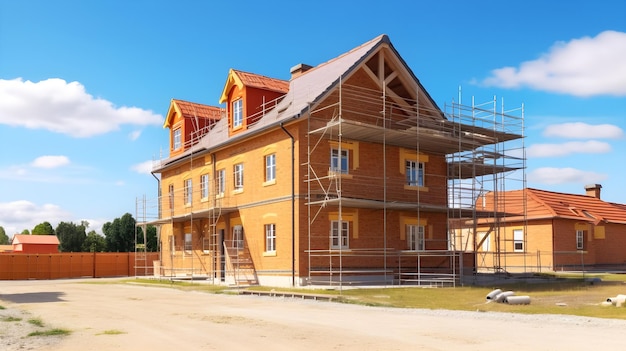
(337, 242)
(270, 167)
(580, 240)
(204, 186)
(221, 182)
(188, 191)
(518, 240)
(414, 173)
(270, 237)
(178, 138)
(415, 237)
(339, 160)
(171, 196)
(237, 113)
(172, 245)
(486, 246)
(238, 176)
(188, 243)
(238, 240)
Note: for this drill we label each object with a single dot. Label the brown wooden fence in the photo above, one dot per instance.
(76, 265)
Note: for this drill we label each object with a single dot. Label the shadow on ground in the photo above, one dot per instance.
(37, 297)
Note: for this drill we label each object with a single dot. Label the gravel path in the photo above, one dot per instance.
(125, 317)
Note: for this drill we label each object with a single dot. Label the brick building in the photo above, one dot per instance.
(340, 174)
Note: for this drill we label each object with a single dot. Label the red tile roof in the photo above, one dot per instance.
(263, 82)
(549, 204)
(192, 109)
(35, 239)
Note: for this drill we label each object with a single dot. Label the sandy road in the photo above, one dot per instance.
(128, 317)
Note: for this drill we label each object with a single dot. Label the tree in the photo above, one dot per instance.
(151, 240)
(120, 234)
(94, 242)
(44, 228)
(4, 238)
(71, 236)
(25, 231)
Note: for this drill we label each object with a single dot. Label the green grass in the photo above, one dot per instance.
(112, 332)
(36, 321)
(51, 332)
(11, 319)
(2, 307)
(567, 294)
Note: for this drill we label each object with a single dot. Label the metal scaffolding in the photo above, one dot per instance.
(483, 150)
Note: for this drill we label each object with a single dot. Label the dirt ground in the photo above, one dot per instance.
(129, 317)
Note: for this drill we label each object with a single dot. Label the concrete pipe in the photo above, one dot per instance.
(493, 294)
(503, 295)
(517, 300)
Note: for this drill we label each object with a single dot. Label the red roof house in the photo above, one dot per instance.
(39, 244)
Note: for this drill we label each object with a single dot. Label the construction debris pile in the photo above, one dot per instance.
(507, 297)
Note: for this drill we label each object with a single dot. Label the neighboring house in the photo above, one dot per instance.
(6, 248)
(559, 232)
(36, 244)
(338, 175)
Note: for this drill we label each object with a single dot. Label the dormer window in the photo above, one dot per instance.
(237, 113)
(178, 139)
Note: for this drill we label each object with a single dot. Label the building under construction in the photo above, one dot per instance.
(348, 173)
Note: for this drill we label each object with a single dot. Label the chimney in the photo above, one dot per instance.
(299, 69)
(593, 190)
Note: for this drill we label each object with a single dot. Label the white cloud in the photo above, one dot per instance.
(581, 130)
(581, 67)
(557, 150)
(50, 161)
(66, 108)
(550, 175)
(16, 216)
(143, 167)
(134, 135)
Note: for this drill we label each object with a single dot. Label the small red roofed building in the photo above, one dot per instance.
(560, 231)
(35, 244)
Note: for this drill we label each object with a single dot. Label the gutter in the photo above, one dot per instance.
(293, 206)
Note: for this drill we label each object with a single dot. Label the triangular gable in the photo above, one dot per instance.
(186, 109)
(240, 79)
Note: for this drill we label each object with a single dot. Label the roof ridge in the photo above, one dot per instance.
(381, 37)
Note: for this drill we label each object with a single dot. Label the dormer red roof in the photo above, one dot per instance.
(191, 109)
(241, 79)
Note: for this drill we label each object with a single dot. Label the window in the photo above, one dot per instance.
(178, 138)
(270, 167)
(339, 160)
(221, 182)
(415, 237)
(339, 235)
(172, 244)
(414, 173)
(270, 237)
(237, 113)
(188, 192)
(204, 186)
(238, 174)
(188, 244)
(237, 237)
(580, 240)
(171, 196)
(486, 246)
(518, 240)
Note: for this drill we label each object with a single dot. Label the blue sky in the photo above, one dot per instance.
(85, 85)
